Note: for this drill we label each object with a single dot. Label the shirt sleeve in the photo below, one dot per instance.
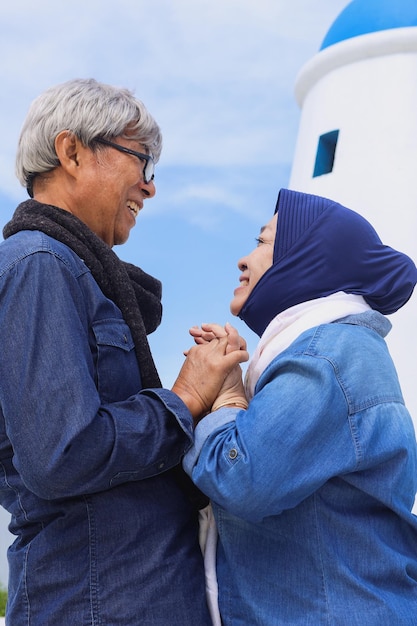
(294, 436)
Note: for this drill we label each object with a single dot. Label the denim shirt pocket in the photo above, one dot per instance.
(117, 372)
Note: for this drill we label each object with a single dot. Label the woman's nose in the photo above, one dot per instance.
(242, 264)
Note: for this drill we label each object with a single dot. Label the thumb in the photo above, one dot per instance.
(234, 358)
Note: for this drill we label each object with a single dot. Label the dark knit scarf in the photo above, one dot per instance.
(137, 294)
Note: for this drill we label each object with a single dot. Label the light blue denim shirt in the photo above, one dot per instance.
(104, 534)
(313, 486)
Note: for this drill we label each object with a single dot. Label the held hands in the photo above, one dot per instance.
(232, 392)
(207, 332)
(211, 369)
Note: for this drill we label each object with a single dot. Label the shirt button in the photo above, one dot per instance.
(233, 453)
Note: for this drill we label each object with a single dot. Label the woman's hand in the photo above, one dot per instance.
(206, 332)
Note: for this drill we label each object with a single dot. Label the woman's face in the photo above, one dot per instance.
(254, 265)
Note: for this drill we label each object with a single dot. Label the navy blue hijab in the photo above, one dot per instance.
(322, 247)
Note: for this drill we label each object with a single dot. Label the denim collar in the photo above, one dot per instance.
(370, 319)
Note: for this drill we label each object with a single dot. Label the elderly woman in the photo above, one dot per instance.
(312, 484)
(90, 444)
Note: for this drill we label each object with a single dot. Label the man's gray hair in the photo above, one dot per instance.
(88, 109)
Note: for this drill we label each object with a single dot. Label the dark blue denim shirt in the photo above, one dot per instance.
(313, 487)
(104, 534)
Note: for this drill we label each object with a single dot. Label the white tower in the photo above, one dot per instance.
(357, 141)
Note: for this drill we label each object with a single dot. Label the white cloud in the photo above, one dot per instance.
(217, 74)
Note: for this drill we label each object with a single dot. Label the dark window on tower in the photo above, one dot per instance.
(325, 153)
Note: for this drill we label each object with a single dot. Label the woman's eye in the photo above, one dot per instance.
(259, 240)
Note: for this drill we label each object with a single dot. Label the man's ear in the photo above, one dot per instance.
(67, 148)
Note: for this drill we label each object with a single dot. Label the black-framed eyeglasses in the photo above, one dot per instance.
(148, 168)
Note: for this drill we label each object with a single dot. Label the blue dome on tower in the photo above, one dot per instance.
(362, 17)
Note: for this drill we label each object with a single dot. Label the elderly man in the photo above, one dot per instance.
(90, 444)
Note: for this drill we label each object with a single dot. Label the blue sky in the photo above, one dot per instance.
(218, 76)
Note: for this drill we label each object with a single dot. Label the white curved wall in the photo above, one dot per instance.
(366, 88)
